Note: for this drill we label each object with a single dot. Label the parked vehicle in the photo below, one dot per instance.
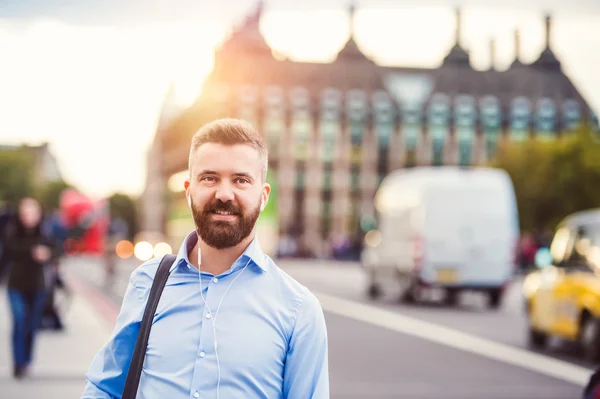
(447, 227)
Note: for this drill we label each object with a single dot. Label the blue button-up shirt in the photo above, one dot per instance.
(270, 333)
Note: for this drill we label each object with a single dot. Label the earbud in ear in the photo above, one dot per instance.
(262, 205)
(189, 201)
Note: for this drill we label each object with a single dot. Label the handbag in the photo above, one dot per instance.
(139, 353)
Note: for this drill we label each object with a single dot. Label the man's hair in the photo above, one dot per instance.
(229, 131)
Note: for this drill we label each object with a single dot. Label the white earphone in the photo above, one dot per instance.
(216, 313)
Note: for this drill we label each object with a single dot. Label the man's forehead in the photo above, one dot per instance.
(208, 149)
(242, 160)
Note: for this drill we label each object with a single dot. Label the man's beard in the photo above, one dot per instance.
(221, 234)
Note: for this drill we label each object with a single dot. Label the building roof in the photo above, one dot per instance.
(352, 69)
(245, 58)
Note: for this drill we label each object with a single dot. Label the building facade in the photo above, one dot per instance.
(335, 130)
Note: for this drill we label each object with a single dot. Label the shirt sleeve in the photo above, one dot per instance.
(306, 374)
(106, 375)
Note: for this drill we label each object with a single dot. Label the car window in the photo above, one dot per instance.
(583, 248)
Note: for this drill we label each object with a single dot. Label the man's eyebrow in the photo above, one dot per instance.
(237, 174)
(206, 172)
(244, 174)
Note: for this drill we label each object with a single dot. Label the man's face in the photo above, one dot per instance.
(225, 190)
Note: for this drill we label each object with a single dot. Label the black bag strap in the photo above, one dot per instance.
(139, 353)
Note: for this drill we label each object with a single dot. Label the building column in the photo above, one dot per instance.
(397, 148)
(368, 171)
(479, 154)
(153, 203)
(451, 152)
(424, 147)
(286, 176)
(312, 199)
(341, 183)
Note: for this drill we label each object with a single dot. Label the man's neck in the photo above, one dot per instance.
(217, 261)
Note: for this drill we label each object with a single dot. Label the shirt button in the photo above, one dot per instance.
(208, 315)
(215, 280)
(202, 354)
(196, 395)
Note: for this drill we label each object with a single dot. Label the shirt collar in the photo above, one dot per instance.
(252, 253)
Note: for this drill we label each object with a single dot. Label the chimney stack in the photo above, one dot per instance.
(492, 54)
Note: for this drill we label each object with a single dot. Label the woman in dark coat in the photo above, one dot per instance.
(29, 251)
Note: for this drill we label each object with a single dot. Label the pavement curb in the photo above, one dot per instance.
(103, 304)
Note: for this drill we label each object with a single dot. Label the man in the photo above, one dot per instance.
(230, 323)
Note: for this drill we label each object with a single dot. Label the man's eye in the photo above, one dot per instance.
(208, 178)
(243, 181)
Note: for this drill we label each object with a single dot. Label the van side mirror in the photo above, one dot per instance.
(543, 258)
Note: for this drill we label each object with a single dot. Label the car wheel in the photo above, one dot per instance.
(589, 338)
(537, 339)
(495, 299)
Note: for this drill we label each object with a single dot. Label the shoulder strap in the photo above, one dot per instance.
(139, 353)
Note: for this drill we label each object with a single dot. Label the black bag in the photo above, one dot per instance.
(139, 353)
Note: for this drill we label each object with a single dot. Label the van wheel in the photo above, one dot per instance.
(411, 294)
(494, 299)
(374, 290)
(589, 337)
(451, 297)
(536, 339)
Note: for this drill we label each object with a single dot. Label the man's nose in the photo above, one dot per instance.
(224, 192)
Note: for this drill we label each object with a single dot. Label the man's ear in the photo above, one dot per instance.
(186, 186)
(264, 199)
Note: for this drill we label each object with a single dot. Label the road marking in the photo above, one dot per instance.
(455, 339)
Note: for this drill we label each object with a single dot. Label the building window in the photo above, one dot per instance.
(384, 133)
(438, 152)
(545, 117)
(356, 133)
(571, 114)
(520, 118)
(464, 154)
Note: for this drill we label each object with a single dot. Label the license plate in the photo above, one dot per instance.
(447, 276)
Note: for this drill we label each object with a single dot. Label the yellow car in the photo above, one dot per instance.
(563, 296)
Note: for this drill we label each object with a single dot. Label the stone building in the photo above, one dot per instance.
(336, 129)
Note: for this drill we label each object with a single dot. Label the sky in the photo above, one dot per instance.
(90, 77)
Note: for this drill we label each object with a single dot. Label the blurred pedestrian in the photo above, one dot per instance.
(229, 320)
(6, 219)
(527, 251)
(56, 231)
(29, 251)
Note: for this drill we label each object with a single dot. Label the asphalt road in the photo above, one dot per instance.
(382, 349)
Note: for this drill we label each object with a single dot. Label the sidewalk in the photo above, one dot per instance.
(60, 358)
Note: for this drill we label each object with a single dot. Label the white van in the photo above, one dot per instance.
(447, 227)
